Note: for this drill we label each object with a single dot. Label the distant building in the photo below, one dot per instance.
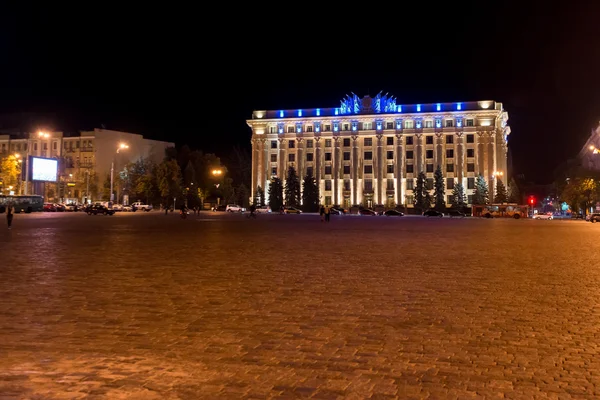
(369, 150)
(89, 153)
(589, 155)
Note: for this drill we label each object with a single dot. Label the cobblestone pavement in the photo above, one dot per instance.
(148, 306)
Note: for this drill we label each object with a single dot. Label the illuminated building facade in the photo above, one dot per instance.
(589, 155)
(369, 150)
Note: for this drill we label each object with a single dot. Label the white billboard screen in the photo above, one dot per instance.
(44, 169)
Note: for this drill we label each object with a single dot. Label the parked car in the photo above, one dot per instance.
(433, 213)
(99, 209)
(393, 213)
(263, 210)
(595, 217)
(339, 210)
(292, 210)
(366, 211)
(234, 208)
(49, 207)
(138, 205)
(455, 213)
(543, 216)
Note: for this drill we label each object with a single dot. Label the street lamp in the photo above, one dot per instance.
(594, 149)
(112, 169)
(216, 173)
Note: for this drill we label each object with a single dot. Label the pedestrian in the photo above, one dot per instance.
(327, 213)
(322, 212)
(166, 210)
(9, 216)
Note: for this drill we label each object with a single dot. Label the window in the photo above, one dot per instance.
(309, 128)
(309, 143)
(390, 184)
(368, 142)
(449, 123)
(273, 157)
(54, 145)
(429, 168)
(346, 127)
(410, 184)
(429, 154)
(469, 122)
(367, 126)
(470, 152)
(409, 124)
(327, 184)
(409, 140)
(35, 146)
(274, 171)
(291, 157)
(410, 199)
(368, 169)
(409, 154)
(328, 170)
(346, 156)
(45, 146)
(309, 171)
(390, 168)
(309, 156)
(328, 156)
(389, 125)
(346, 184)
(368, 155)
(429, 139)
(449, 167)
(65, 145)
(346, 169)
(390, 155)
(327, 142)
(290, 129)
(390, 139)
(470, 199)
(429, 183)
(449, 139)
(368, 184)
(327, 128)
(410, 168)
(346, 142)
(428, 124)
(273, 144)
(470, 138)
(291, 144)
(470, 167)
(449, 199)
(449, 153)
(273, 129)
(470, 183)
(450, 183)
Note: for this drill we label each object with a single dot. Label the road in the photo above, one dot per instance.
(218, 306)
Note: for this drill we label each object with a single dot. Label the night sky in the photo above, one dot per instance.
(193, 76)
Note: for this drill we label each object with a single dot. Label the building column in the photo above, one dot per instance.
(480, 154)
(419, 156)
(399, 173)
(336, 170)
(491, 164)
(300, 159)
(460, 157)
(266, 163)
(255, 156)
(354, 170)
(282, 160)
(380, 165)
(439, 150)
(318, 166)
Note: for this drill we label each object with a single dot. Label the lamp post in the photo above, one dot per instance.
(217, 172)
(112, 169)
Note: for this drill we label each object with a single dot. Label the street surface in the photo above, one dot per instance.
(148, 306)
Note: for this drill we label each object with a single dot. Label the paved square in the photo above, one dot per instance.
(148, 306)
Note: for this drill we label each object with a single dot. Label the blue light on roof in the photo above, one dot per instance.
(281, 114)
(337, 111)
(318, 112)
(418, 108)
(399, 108)
(438, 107)
(459, 106)
(299, 113)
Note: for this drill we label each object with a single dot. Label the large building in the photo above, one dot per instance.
(589, 155)
(369, 150)
(85, 159)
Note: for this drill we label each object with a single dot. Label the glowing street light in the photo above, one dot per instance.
(217, 172)
(594, 149)
(44, 135)
(121, 146)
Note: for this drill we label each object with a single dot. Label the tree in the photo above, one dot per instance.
(242, 194)
(292, 188)
(310, 194)
(10, 172)
(581, 193)
(275, 194)
(439, 192)
(481, 194)
(259, 197)
(459, 200)
(514, 195)
(168, 178)
(500, 195)
(422, 198)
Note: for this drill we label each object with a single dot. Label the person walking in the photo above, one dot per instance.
(9, 216)
(327, 213)
(322, 212)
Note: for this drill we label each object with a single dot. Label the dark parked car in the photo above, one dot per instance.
(99, 209)
(393, 213)
(338, 211)
(595, 217)
(366, 211)
(455, 213)
(433, 213)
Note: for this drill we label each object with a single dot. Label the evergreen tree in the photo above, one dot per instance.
(481, 194)
(259, 197)
(514, 195)
(422, 198)
(310, 194)
(459, 200)
(275, 194)
(439, 190)
(242, 194)
(292, 188)
(500, 195)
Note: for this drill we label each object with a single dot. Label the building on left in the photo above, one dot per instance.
(84, 159)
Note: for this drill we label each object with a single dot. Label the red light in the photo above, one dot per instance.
(532, 200)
